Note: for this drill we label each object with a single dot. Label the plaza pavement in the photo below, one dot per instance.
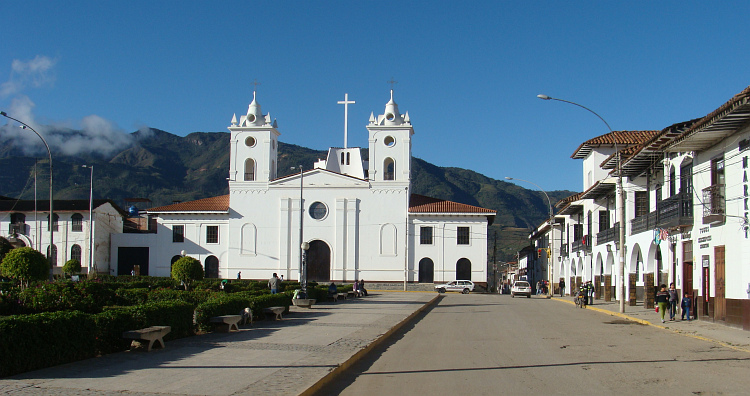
(288, 357)
(732, 337)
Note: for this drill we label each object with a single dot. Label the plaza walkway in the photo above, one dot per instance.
(286, 357)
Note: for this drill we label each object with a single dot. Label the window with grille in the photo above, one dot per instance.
(425, 235)
(462, 235)
(75, 253)
(178, 233)
(641, 203)
(212, 234)
(603, 220)
(77, 222)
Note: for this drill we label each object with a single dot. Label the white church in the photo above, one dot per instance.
(356, 218)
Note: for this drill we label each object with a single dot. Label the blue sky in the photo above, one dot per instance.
(468, 74)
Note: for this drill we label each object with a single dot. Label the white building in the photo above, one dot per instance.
(358, 217)
(22, 225)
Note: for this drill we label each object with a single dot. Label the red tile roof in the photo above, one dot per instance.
(622, 138)
(422, 204)
(213, 204)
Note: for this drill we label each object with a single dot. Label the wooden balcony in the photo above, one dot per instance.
(582, 244)
(675, 211)
(611, 234)
(714, 204)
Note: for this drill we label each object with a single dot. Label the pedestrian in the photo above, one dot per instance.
(662, 301)
(591, 293)
(132, 272)
(687, 302)
(562, 287)
(362, 287)
(239, 275)
(673, 297)
(273, 283)
(282, 277)
(538, 288)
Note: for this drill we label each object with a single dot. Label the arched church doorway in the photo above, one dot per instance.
(426, 270)
(319, 262)
(463, 269)
(212, 267)
(171, 264)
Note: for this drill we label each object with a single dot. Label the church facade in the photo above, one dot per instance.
(348, 217)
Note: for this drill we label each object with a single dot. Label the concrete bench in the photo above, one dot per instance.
(226, 323)
(351, 294)
(303, 302)
(151, 334)
(274, 311)
(341, 296)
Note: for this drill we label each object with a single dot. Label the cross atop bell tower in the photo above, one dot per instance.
(346, 102)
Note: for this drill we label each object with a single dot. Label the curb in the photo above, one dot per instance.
(647, 323)
(333, 374)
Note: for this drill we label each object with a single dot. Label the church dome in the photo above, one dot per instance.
(254, 115)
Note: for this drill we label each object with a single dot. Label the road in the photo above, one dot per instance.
(492, 344)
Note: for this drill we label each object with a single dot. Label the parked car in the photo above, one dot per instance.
(463, 286)
(521, 288)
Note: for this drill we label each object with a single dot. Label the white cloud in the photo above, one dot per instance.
(37, 72)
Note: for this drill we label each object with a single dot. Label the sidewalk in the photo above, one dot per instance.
(285, 357)
(728, 336)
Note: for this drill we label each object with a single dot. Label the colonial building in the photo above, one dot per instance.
(357, 217)
(26, 223)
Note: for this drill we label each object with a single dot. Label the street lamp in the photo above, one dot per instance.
(552, 224)
(304, 246)
(620, 194)
(92, 266)
(51, 213)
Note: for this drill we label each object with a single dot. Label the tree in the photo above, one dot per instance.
(187, 270)
(5, 247)
(25, 264)
(71, 267)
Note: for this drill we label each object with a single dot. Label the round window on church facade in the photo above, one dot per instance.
(250, 141)
(318, 210)
(389, 141)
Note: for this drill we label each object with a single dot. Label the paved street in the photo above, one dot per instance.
(492, 344)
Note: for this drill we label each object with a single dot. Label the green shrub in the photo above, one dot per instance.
(222, 304)
(177, 314)
(71, 267)
(86, 296)
(131, 296)
(31, 342)
(187, 270)
(110, 325)
(25, 264)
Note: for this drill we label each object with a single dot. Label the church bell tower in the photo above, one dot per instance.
(254, 149)
(390, 147)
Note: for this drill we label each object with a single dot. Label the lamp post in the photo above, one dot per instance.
(620, 195)
(304, 246)
(91, 220)
(51, 212)
(552, 224)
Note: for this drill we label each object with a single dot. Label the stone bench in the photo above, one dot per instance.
(151, 334)
(226, 323)
(341, 296)
(274, 311)
(303, 302)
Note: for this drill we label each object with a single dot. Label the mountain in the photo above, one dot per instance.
(164, 168)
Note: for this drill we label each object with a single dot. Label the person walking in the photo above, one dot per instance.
(562, 287)
(662, 300)
(273, 283)
(239, 275)
(687, 302)
(590, 293)
(673, 298)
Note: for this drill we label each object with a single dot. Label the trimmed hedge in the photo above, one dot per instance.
(233, 304)
(31, 342)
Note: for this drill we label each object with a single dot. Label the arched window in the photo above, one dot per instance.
(389, 169)
(75, 253)
(211, 266)
(388, 240)
(77, 222)
(273, 169)
(54, 222)
(52, 255)
(249, 170)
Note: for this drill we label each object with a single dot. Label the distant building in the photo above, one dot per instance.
(22, 225)
(358, 217)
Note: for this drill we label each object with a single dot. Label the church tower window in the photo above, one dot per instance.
(250, 141)
(389, 141)
(389, 167)
(249, 170)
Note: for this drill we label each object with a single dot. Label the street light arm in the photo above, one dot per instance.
(549, 202)
(545, 97)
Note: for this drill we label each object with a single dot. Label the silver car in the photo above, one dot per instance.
(521, 288)
(463, 286)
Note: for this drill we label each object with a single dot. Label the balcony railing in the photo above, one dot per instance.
(672, 212)
(714, 204)
(582, 244)
(564, 250)
(17, 228)
(608, 235)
